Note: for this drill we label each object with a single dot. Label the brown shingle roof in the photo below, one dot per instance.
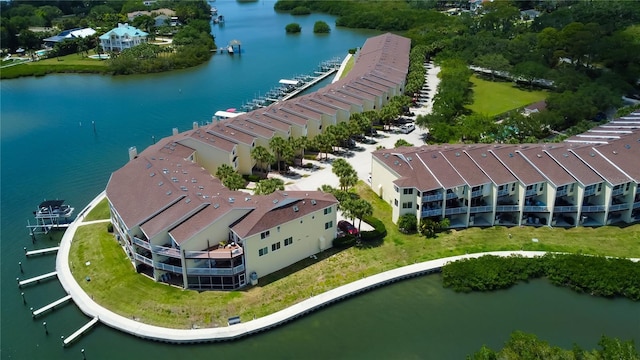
(493, 168)
(600, 165)
(516, 164)
(573, 165)
(278, 208)
(463, 164)
(546, 165)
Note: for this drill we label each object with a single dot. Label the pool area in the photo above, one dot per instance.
(42, 52)
(100, 56)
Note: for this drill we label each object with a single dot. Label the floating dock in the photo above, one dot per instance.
(50, 306)
(37, 279)
(42, 251)
(80, 331)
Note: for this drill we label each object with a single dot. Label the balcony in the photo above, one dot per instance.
(143, 259)
(589, 191)
(504, 208)
(216, 271)
(451, 195)
(536, 208)
(481, 209)
(431, 212)
(565, 209)
(227, 252)
(167, 267)
(434, 197)
(477, 193)
(503, 192)
(593, 208)
(636, 205)
(619, 207)
(142, 243)
(531, 192)
(454, 211)
(617, 191)
(166, 251)
(562, 192)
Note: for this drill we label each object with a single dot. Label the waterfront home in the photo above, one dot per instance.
(122, 37)
(68, 34)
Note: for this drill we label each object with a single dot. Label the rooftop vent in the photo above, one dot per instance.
(169, 192)
(296, 209)
(538, 155)
(627, 146)
(188, 200)
(152, 174)
(148, 165)
(457, 154)
(510, 154)
(313, 202)
(284, 194)
(565, 155)
(183, 188)
(232, 200)
(275, 201)
(160, 183)
(409, 158)
(165, 171)
(193, 180)
(200, 187)
(592, 154)
(174, 179)
(247, 198)
(396, 162)
(483, 155)
(215, 206)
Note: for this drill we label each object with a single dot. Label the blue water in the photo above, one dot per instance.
(61, 136)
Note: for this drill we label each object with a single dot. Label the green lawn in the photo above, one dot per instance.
(493, 98)
(99, 212)
(62, 64)
(132, 295)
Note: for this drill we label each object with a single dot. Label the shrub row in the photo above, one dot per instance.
(596, 275)
(379, 230)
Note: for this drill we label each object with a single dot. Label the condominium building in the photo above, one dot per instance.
(122, 37)
(590, 180)
(179, 224)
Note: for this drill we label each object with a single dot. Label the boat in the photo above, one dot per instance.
(51, 214)
(219, 20)
(214, 10)
(230, 49)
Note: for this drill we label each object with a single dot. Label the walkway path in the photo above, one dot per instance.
(94, 310)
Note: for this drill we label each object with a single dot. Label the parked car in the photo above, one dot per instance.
(407, 128)
(347, 228)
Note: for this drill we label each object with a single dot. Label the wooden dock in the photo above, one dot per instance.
(315, 80)
(42, 251)
(80, 331)
(50, 306)
(37, 279)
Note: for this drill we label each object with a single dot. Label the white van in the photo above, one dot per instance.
(407, 128)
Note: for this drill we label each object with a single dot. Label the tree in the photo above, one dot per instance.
(495, 62)
(280, 147)
(224, 171)
(233, 181)
(268, 186)
(529, 71)
(407, 223)
(262, 156)
(359, 209)
(293, 28)
(300, 143)
(321, 27)
(402, 142)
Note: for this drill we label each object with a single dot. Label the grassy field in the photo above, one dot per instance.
(67, 63)
(99, 212)
(496, 97)
(132, 295)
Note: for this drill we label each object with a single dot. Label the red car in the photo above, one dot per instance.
(347, 228)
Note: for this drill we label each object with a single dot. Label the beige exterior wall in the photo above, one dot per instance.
(382, 184)
(207, 156)
(306, 234)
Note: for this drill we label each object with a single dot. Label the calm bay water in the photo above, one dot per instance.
(50, 149)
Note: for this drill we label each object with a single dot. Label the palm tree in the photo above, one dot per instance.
(268, 186)
(361, 208)
(300, 143)
(233, 181)
(224, 171)
(278, 145)
(261, 155)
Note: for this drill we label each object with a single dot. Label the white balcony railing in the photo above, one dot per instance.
(216, 271)
(535, 208)
(454, 211)
(617, 191)
(165, 251)
(619, 207)
(564, 209)
(140, 242)
(503, 208)
(431, 212)
(434, 197)
(480, 209)
(593, 208)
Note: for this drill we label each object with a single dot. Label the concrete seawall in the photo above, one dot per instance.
(157, 333)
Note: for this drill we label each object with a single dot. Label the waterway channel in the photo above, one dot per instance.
(63, 135)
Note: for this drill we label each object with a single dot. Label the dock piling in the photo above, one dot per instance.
(46, 331)
(25, 249)
(83, 355)
(20, 265)
(24, 302)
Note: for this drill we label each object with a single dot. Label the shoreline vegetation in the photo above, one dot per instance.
(173, 307)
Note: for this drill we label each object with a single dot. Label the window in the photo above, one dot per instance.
(627, 189)
(396, 189)
(600, 187)
(263, 251)
(500, 187)
(328, 225)
(327, 211)
(288, 241)
(408, 191)
(513, 187)
(264, 235)
(275, 246)
(395, 202)
(407, 205)
(572, 187)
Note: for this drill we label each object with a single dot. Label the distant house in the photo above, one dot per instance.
(529, 14)
(122, 37)
(153, 13)
(535, 108)
(68, 34)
